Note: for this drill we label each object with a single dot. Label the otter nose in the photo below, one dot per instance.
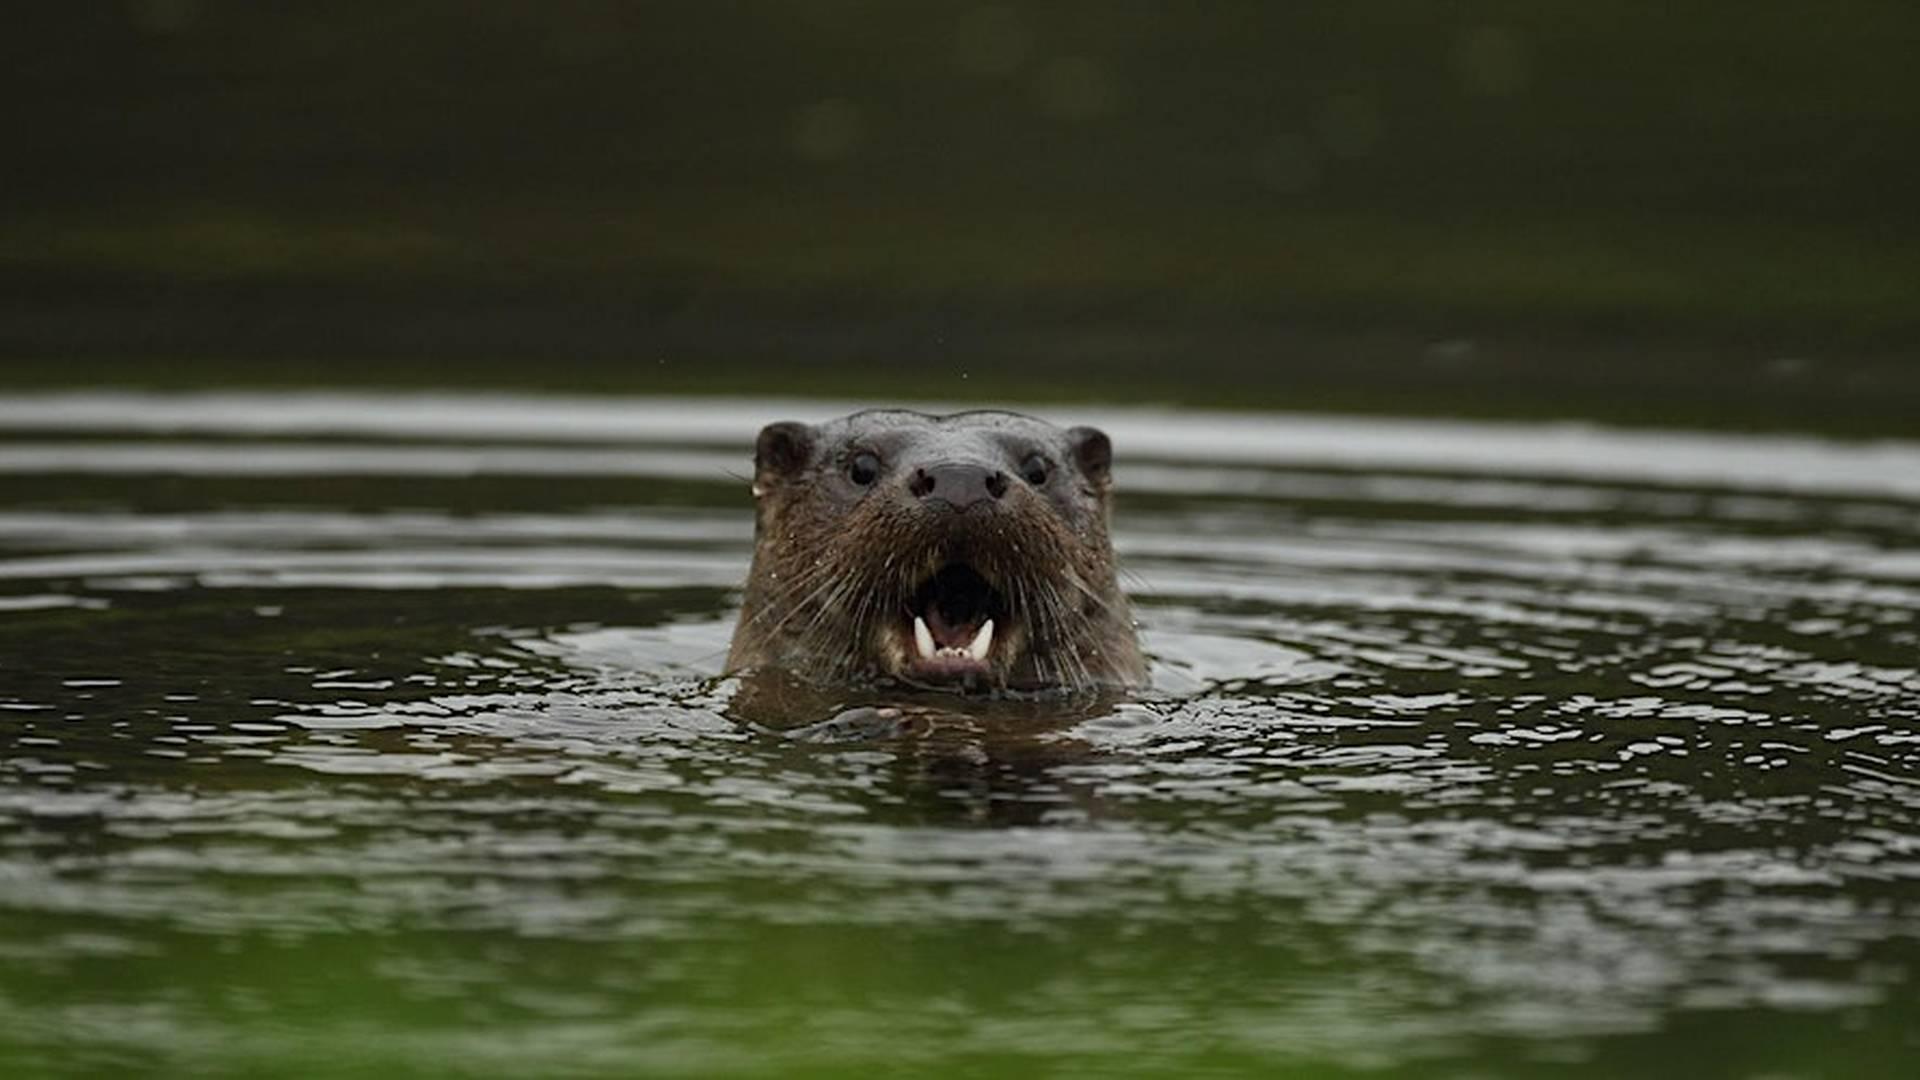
(959, 486)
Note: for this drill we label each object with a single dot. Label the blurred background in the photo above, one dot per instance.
(1699, 214)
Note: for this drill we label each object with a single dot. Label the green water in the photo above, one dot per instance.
(355, 735)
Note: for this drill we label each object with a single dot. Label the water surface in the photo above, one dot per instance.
(355, 734)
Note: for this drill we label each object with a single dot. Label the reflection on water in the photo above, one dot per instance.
(350, 734)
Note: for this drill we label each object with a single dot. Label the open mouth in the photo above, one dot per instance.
(953, 625)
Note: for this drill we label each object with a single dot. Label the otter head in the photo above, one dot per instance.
(966, 551)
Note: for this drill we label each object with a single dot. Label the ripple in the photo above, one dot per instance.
(1469, 746)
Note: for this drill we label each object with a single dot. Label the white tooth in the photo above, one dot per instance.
(923, 638)
(982, 641)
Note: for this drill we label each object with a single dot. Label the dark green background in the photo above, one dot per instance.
(1697, 214)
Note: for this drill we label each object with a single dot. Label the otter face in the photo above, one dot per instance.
(966, 551)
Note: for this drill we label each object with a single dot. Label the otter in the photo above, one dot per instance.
(963, 552)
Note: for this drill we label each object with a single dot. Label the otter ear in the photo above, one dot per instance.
(782, 450)
(1093, 452)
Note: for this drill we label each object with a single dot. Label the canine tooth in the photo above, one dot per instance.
(923, 638)
(982, 641)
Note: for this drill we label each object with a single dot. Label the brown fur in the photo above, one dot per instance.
(837, 563)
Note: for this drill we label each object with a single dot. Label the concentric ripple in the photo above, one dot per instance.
(355, 734)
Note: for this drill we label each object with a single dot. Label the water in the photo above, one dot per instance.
(383, 735)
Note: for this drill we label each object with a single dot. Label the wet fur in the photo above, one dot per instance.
(833, 579)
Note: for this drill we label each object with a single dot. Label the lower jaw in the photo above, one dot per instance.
(946, 671)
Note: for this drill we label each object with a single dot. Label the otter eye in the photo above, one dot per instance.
(1034, 470)
(863, 469)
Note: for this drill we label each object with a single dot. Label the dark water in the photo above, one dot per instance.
(382, 736)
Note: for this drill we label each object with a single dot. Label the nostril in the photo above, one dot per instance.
(959, 487)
